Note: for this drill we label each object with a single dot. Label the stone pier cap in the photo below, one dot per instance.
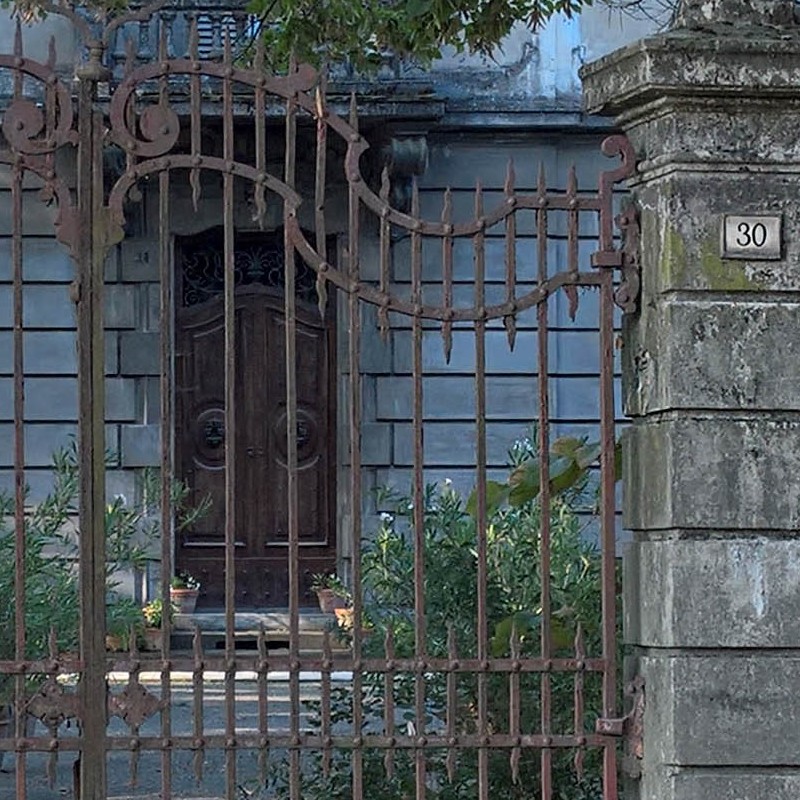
(741, 56)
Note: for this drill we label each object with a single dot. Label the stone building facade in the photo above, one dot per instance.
(459, 124)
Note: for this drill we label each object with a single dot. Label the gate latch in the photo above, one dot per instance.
(629, 728)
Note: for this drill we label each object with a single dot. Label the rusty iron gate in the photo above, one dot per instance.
(472, 716)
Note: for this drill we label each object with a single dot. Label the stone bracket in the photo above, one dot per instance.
(629, 728)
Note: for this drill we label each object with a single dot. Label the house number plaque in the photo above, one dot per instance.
(753, 237)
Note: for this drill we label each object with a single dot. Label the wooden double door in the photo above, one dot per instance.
(260, 497)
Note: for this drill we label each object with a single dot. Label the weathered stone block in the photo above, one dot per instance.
(121, 483)
(712, 472)
(521, 360)
(42, 307)
(721, 710)
(454, 444)
(453, 398)
(50, 353)
(120, 306)
(151, 294)
(376, 444)
(677, 783)
(726, 593)
(703, 353)
(43, 259)
(140, 445)
(121, 400)
(138, 260)
(111, 353)
(681, 219)
(46, 399)
(38, 219)
(139, 353)
(151, 390)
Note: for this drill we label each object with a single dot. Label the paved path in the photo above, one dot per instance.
(150, 763)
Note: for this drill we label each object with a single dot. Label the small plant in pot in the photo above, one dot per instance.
(331, 592)
(184, 590)
(153, 613)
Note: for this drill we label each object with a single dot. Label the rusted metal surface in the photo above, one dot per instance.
(163, 146)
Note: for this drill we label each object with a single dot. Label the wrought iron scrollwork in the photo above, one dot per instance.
(257, 263)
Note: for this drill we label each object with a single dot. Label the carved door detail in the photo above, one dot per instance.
(261, 512)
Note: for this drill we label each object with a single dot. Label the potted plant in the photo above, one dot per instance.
(184, 590)
(153, 614)
(331, 591)
(123, 621)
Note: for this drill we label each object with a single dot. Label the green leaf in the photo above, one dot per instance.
(496, 495)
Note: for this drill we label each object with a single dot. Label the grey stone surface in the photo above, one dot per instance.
(712, 473)
(151, 298)
(777, 784)
(46, 399)
(454, 444)
(453, 398)
(42, 307)
(112, 353)
(731, 783)
(730, 710)
(120, 306)
(43, 259)
(41, 441)
(727, 592)
(681, 217)
(139, 353)
(711, 599)
(140, 445)
(44, 353)
(121, 400)
(714, 353)
(138, 260)
(151, 391)
(38, 219)
(376, 444)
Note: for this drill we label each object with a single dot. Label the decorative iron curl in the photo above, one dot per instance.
(385, 301)
(24, 121)
(54, 189)
(627, 294)
(159, 125)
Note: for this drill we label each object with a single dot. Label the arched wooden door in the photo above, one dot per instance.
(261, 511)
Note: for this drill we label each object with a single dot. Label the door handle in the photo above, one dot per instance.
(252, 452)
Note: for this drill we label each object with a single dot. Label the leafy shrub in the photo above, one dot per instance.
(52, 595)
(514, 617)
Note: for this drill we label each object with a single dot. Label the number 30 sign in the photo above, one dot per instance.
(756, 237)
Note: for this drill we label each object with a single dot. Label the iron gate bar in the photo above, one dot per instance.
(290, 358)
(542, 373)
(354, 380)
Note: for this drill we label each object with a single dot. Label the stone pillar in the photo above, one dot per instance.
(712, 382)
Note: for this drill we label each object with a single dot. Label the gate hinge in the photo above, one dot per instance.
(627, 260)
(629, 728)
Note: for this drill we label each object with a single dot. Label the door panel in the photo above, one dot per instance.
(261, 512)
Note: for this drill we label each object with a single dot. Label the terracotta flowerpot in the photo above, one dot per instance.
(329, 601)
(184, 600)
(116, 643)
(152, 639)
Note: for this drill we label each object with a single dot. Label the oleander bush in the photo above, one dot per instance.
(514, 623)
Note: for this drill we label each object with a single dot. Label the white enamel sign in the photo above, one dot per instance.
(753, 237)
